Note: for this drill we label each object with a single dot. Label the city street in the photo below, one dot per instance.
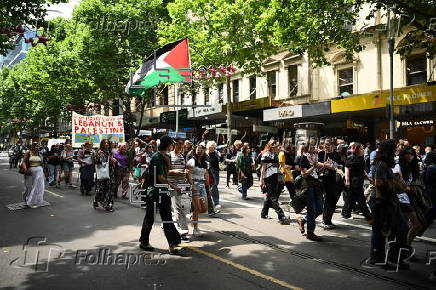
(237, 251)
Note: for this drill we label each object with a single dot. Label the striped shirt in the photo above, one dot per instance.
(177, 162)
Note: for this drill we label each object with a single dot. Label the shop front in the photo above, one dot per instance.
(365, 117)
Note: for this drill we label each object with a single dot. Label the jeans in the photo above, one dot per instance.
(53, 172)
(351, 196)
(331, 197)
(163, 202)
(378, 241)
(179, 213)
(272, 197)
(245, 185)
(314, 207)
(214, 187)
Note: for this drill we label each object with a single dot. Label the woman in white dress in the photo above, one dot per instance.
(32, 164)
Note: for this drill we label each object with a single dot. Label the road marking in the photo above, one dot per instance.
(243, 268)
(241, 203)
(55, 194)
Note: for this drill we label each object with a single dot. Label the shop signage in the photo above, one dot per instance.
(265, 129)
(170, 116)
(354, 125)
(204, 111)
(402, 97)
(283, 113)
(223, 131)
(252, 104)
(416, 123)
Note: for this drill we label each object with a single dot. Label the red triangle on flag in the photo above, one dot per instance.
(178, 57)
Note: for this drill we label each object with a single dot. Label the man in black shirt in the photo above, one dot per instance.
(332, 185)
(354, 179)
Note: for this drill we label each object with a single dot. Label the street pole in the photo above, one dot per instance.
(229, 114)
(391, 45)
(177, 109)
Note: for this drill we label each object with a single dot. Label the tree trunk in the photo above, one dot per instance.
(143, 102)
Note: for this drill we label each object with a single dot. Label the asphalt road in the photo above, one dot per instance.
(70, 245)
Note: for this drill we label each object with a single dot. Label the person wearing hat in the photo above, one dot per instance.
(86, 168)
(158, 195)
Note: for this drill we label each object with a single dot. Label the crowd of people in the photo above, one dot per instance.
(393, 185)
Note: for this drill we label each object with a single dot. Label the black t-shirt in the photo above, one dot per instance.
(231, 156)
(356, 165)
(329, 174)
(214, 162)
(303, 162)
(289, 160)
(55, 160)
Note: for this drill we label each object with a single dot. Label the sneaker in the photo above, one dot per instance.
(175, 250)
(196, 232)
(95, 204)
(212, 213)
(245, 198)
(328, 226)
(72, 186)
(311, 236)
(185, 238)
(369, 264)
(217, 207)
(146, 247)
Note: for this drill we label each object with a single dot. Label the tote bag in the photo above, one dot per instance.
(102, 171)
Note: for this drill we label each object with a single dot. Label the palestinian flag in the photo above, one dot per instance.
(168, 64)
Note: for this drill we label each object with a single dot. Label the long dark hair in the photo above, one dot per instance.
(408, 168)
(199, 161)
(386, 152)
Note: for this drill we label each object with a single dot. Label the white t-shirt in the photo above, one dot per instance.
(197, 172)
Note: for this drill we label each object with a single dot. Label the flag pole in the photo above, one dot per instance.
(176, 109)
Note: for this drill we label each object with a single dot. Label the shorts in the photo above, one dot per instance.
(200, 189)
(67, 167)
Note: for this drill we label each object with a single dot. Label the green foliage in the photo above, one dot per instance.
(19, 12)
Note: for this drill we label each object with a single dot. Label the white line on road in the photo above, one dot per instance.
(55, 194)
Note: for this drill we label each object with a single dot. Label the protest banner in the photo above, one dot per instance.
(95, 128)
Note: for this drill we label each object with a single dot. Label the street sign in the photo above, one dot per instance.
(170, 116)
(265, 129)
(223, 131)
(173, 134)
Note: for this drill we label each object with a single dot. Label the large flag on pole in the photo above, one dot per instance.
(168, 64)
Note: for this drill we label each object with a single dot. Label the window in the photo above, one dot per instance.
(163, 98)
(345, 81)
(235, 91)
(272, 83)
(182, 98)
(416, 69)
(206, 94)
(293, 80)
(252, 88)
(220, 93)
